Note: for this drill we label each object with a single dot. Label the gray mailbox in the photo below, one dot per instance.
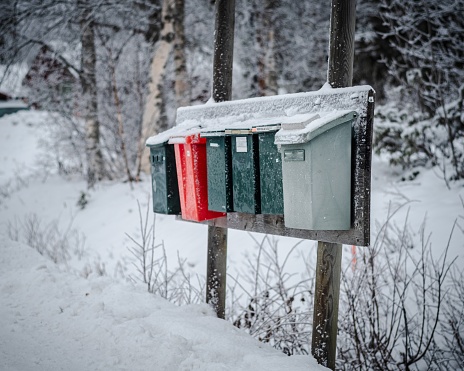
(316, 171)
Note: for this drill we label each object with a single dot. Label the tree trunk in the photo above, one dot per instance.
(181, 86)
(266, 34)
(95, 166)
(154, 121)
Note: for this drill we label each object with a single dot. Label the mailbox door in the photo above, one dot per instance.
(245, 174)
(270, 169)
(219, 163)
(164, 180)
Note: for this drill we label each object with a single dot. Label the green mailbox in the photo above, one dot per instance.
(245, 171)
(164, 179)
(316, 169)
(219, 170)
(270, 171)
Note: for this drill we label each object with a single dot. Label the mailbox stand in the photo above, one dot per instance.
(222, 91)
(353, 230)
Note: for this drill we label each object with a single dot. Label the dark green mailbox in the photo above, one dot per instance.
(219, 170)
(164, 179)
(270, 171)
(245, 171)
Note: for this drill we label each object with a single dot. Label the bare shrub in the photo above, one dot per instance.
(278, 307)
(401, 307)
(151, 264)
(393, 302)
(50, 240)
(97, 268)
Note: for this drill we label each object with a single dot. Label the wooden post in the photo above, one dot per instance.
(327, 292)
(222, 91)
(216, 270)
(329, 255)
(341, 43)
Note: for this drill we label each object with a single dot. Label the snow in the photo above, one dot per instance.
(53, 320)
(13, 104)
(69, 317)
(261, 111)
(311, 127)
(11, 78)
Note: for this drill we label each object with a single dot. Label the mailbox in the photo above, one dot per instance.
(245, 171)
(190, 153)
(316, 169)
(219, 171)
(270, 171)
(164, 179)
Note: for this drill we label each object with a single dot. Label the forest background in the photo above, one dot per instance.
(117, 71)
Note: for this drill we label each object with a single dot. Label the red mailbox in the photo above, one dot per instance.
(192, 178)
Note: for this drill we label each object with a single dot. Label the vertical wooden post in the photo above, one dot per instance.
(222, 91)
(327, 292)
(329, 255)
(341, 43)
(216, 270)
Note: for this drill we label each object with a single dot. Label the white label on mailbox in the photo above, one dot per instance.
(214, 145)
(241, 143)
(294, 155)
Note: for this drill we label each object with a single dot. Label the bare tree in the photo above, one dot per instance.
(154, 118)
(95, 166)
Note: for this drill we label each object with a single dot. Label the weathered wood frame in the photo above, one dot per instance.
(360, 99)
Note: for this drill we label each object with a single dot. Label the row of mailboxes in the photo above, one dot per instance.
(244, 171)
(303, 172)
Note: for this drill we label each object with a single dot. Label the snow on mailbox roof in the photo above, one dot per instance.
(303, 131)
(186, 128)
(252, 112)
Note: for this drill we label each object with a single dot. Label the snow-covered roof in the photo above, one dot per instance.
(13, 104)
(305, 130)
(261, 111)
(70, 53)
(11, 78)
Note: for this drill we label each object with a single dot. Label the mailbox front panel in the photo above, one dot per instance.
(219, 163)
(270, 169)
(164, 180)
(245, 174)
(193, 184)
(317, 181)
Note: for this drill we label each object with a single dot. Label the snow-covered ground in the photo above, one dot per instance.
(54, 320)
(68, 316)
